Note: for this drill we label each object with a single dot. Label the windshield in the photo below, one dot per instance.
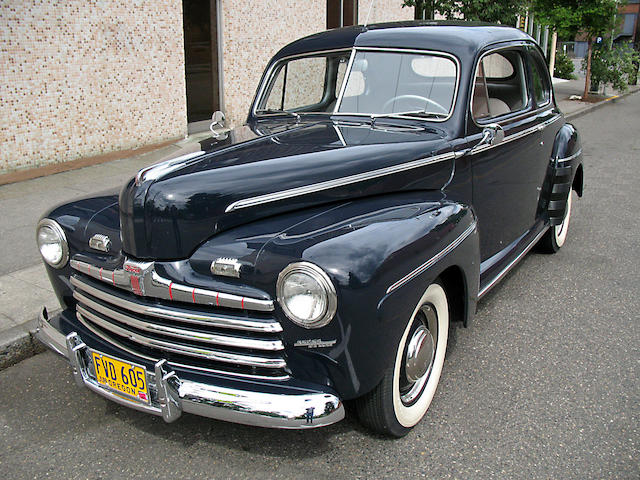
(378, 83)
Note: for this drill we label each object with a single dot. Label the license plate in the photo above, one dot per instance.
(125, 378)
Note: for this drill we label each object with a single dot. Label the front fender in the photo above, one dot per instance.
(381, 253)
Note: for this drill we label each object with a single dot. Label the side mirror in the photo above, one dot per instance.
(492, 134)
(217, 120)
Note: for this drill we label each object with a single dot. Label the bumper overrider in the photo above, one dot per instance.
(170, 395)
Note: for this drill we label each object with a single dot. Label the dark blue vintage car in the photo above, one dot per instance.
(386, 178)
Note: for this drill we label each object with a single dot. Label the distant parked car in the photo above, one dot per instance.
(386, 179)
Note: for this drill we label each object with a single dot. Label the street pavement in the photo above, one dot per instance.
(545, 383)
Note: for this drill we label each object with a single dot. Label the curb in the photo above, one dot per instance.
(596, 106)
(19, 343)
(52, 168)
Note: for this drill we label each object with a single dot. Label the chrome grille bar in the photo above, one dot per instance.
(151, 284)
(182, 315)
(118, 344)
(181, 333)
(85, 316)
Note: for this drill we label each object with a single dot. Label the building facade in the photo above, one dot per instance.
(84, 78)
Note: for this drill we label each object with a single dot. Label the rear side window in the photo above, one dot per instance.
(500, 85)
(540, 77)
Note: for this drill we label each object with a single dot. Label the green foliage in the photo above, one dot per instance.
(590, 17)
(614, 66)
(431, 7)
(564, 67)
(568, 17)
(493, 11)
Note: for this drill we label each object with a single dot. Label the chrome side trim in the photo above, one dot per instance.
(519, 135)
(84, 316)
(511, 264)
(169, 313)
(157, 170)
(171, 395)
(433, 260)
(338, 182)
(570, 157)
(142, 279)
(176, 332)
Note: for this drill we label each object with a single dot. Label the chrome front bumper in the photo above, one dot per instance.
(170, 396)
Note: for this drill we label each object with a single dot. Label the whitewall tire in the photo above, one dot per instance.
(403, 396)
(556, 236)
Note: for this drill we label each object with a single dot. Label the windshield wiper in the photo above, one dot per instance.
(280, 112)
(411, 113)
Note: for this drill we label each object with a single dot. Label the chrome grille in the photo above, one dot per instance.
(243, 343)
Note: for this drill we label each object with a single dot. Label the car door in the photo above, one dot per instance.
(507, 177)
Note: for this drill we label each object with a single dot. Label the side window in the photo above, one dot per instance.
(499, 85)
(303, 82)
(540, 77)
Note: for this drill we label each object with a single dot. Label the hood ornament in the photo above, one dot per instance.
(217, 120)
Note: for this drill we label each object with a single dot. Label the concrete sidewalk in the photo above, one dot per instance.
(24, 285)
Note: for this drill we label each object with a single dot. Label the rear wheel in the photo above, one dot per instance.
(403, 396)
(555, 237)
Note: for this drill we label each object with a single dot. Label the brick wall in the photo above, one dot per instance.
(81, 78)
(383, 11)
(252, 33)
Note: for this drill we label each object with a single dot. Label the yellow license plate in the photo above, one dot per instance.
(125, 378)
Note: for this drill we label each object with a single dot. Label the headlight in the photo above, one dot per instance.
(306, 295)
(52, 243)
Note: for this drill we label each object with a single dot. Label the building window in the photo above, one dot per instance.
(342, 13)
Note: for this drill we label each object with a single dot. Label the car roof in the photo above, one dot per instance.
(462, 39)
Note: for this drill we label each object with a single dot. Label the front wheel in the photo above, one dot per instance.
(403, 396)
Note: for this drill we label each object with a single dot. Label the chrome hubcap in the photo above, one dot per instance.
(419, 354)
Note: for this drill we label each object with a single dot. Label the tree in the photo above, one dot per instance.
(614, 65)
(493, 11)
(592, 17)
(426, 9)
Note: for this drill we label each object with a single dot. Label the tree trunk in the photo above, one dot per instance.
(587, 80)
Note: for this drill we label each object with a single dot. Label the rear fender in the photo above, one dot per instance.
(565, 172)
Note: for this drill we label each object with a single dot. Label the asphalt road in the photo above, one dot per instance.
(544, 384)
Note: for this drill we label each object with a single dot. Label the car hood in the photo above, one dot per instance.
(265, 169)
